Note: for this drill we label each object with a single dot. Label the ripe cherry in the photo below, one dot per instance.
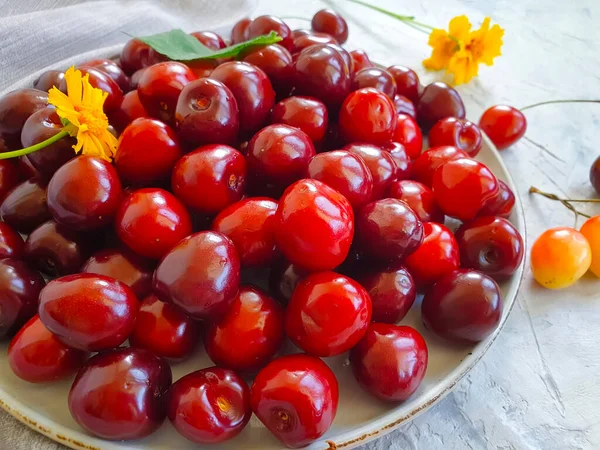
(407, 82)
(428, 161)
(24, 208)
(130, 109)
(360, 60)
(48, 80)
(590, 231)
(100, 80)
(381, 164)
(504, 125)
(136, 55)
(306, 113)
(401, 159)
(330, 22)
(265, 24)
(209, 406)
(238, 32)
(405, 106)
(314, 225)
(408, 134)
(420, 199)
(276, 62)
(10, 176)
(111, 69)
(314, 38)
(283, 279)
(11, 243)
(595, 175)
(15, 108)
(438, 101)
(390, 361)
(296, 398)
(375, 78)
(460, 133)
(501, 204)
(210, 39)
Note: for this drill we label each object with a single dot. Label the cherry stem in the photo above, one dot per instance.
(553, 102)
(565, 201)
(34, 148)
(408, 20)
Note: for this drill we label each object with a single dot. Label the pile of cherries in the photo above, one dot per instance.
(299, 163)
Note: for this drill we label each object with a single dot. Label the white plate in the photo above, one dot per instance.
(360, 417)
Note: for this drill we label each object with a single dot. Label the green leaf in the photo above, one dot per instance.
(180, 46)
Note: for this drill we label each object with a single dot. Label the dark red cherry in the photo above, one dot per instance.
(501, 204)
(314, 38)
(460, 133)
(11, 243)
(403, 162)
(111, 69)
(306, 113)
(419, 197)
(210, 39)
(381, 164)
(330, 22)
(25, 168)
(131, 108)
(407, 82)
(276, 62)
(136, 55)
(265, 24)
(283, 279)
(375, 78)
(361, 60)
(238, 32)
(10, 176)
(404, 105)
(24, 208)
(438, 101)
(15, 108)
(48, 80)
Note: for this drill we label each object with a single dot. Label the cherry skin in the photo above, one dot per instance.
(238, 32)
(85, 193)
(375, 78)
(11, 243)
(160, 86)
(368, 116)
(381, 164)
(164, 330)
(25, 169)
(314, 38)
(296, 398)
(122, 265)
(392, 291)
(405, 106)
(249, 334)
(130, 109)
(491, 245)
(10, 176)
(501, 204)
(37, 356)
(15, 108)
(465, 179)
(201, 275)
(590, 231)
(283, 279)
(42, 125)
(25, 207)
(276, 62)
(136, 55)
(210, 178)
(419, 197)
(146, 152)
(109, 402)
(105, 309)
(209, 406)
(210, 40)
(151, 221)
(401, 159)
(300, 32)
(594, 175)
(460, 133)
(306, 113)
(279, 155)
(56, 250)
(111, 69)
(265, 24)
(361, 60)
(407, 82)
(408, 134)
(48, 80)
(330, 22)
(20, 287)
(437, 256)
(250, 224)
(252, 90)
(207, 113)
(99, 79)
(345, 172)
(388, 230)
(390, 361)
(438, 101)
(504, 125)
(314, 225)
(427, 162)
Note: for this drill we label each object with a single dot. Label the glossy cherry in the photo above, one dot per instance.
(136, 55)
(401, 159)
(381, 164)
(24, 208)
(306, 113)
(84, 194)
(112, 69)
(11, 243)
(276, 62)
(407, 82)
(209, 406)
(368, 115)
(330, 22)
(210, 39)
(437, 256)
(436, 102)
(419, 197)
(99, 79)
(130, 109)
(151, 221)
(428, 161)
(201, 275)
(392, 291)
(345, 172)
(360, 60)
(238, 32)
(491, 245)
(388, 230)
(37, 356)
(405, 106)
(375, 78)
(501, 204)
(20, 287)
(108, 401)
(595, 175)
(164, 330)
(296, 398)
(408, 134)
(460, 133)
(249, 334)
(283, 279)
(15, 108)
(390, 361)
(504, 125)
(10, 176)
(314, 225)
(265, 24)
(48, 80)
(313, 38)
(462, 186)
(252, 90)
(105, 309)
(250, 224)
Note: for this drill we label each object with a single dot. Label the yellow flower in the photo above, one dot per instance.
(81, 112)
(446, 43)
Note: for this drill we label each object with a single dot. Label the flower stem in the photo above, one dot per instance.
(565, 201)
(34, 148)
(552, 102)
(409, 20)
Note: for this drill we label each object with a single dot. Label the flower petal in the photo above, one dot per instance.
(459, 27)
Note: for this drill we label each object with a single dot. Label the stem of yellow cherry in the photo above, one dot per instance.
(566, 201)
(34, 148)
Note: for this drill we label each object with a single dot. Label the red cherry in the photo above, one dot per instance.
(491, 245)
(392, 293)
(15, 108)
(330, 22)
(457, 132)
(48, 80)
(369, 116)
(10, 176)
(306, 113)
(401, 159)
(375, 78)
(238, 32)
(11, 243)
(135, 56)
(249, 334)
(504, 125)
(210, 178)
(500, 204)
(428, 161)
(100, 80)
(300, 32)
(283, 279)
(209, 406)
(345, 172)
(20, 287)
(420, 199)
(37, 356)
(276, 62)
(463, 306)
(210, 40)
(381, 164)
(314, 225)
(409, 135)
(202, 68)
(151, 221)
(265, 24)
(147, 152)
(361, 60)
(111, 69)
(437, 101)
(314, 38)
(405, 105)
(250, 224)
(201, 275)
(437, 256)
(407, 82)
(296, 398)
(388, 230)
(25, 168)
(462, 186)
(118, 395)
(390, 361)
(130, 109)
(164, 330)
